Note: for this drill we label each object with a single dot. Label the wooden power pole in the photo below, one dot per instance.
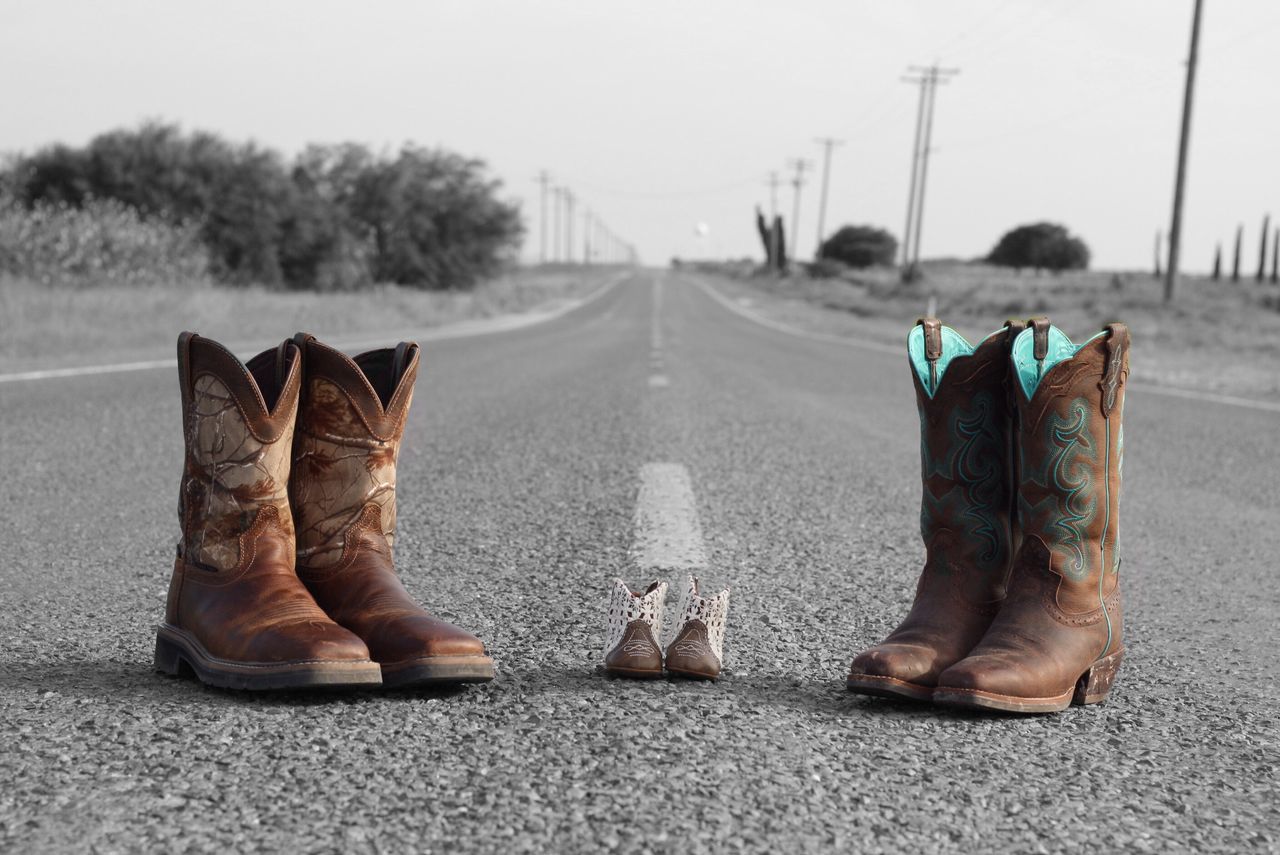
(1175, 228)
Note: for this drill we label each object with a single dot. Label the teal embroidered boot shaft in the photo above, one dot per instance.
(1057, 638)
(966, 435)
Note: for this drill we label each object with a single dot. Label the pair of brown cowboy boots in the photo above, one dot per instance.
(1018, 606)
(284, 576)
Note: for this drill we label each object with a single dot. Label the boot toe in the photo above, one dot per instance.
(422, 636)
(312, 641)
(908, 663)
(988, 675)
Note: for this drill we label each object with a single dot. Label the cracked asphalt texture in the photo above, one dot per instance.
(518, 483)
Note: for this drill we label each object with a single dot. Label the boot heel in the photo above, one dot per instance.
(169, 658)
(1095, 684)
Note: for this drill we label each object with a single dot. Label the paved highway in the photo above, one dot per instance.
(519, 481)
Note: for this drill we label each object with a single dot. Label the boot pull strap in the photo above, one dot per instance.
(1117, 345)
(282, 351)
(932, 346)
(184, 364)
(1012, 327)
(1040, 337)
(399, 361)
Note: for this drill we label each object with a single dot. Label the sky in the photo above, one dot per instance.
(662, 116)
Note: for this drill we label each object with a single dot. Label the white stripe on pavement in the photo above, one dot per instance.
(1139, 387)
(667, 533)
(462, 329)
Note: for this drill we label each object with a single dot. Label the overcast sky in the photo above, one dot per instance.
(661, 115)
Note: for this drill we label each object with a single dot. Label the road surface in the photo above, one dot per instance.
(519, 481)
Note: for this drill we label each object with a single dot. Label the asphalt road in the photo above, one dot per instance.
(518, 489)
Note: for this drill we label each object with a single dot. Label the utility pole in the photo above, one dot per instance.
(1159, 246)
(799, 165)
(827, 144)
(586, 237)
(928, 78)
(1262, 249)
(558, 193)
(569, 199)
(915, 171)
(544, 180)
(1175, 230)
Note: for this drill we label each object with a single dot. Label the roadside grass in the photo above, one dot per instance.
(1214, 336)
(43, 326)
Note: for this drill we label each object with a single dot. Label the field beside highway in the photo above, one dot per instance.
(1219, 337)
(47, 326)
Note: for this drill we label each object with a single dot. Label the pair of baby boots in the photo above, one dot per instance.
(696, 648)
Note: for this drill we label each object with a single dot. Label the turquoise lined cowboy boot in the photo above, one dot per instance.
(1057, 639)
(965, 512)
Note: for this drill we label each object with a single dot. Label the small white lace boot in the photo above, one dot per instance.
(631, 639)
(697, 648)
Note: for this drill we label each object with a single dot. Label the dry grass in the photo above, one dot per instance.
(1215, 336)
(42, 326)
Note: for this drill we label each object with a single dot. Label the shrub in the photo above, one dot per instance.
(1042, 246)
(102, 242)
(337, 217)
(860, 246)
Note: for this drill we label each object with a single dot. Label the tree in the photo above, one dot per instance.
(860, 246)
(1041, 246)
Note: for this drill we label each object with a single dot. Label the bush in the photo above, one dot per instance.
(101, 242)
(860, 246)
(1042, 246)
(337, 217)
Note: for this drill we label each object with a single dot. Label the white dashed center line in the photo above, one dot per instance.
(667, 533)
(657, 379)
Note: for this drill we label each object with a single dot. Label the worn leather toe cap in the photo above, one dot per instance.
(305, 641)
(418, 636)
(907, 662)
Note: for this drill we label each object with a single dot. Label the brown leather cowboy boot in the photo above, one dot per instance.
(1057, 639)
(631, 636)
(343, 493)
(966, 457)
(237, 615)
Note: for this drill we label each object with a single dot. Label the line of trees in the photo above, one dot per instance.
(334, 217)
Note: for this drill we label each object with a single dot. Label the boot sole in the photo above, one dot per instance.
(692, 675)
(438, 669)
(1092, 687)
(888, 687)
(180, 655)
(634, 673)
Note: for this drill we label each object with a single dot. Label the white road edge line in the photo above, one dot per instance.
(1140, 387)
(461, 329)
(668, 535)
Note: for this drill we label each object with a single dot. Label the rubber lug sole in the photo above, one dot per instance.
(1092, 687)
(888, 687)
(435, 670)
(178, 655)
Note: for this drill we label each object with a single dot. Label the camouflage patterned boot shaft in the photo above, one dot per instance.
(237, 615)
(343, 494)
